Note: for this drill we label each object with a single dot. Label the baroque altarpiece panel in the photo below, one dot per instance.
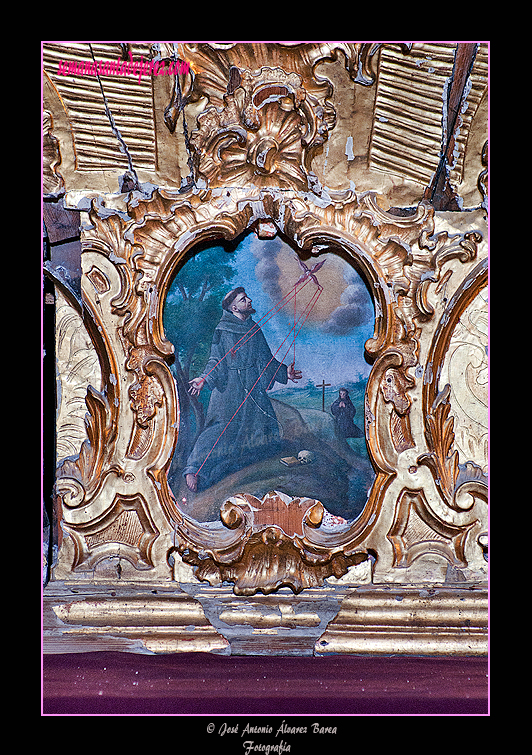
(266, 278)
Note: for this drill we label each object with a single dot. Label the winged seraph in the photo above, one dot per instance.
(309, 273)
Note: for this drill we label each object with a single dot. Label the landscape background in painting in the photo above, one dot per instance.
(328, 349)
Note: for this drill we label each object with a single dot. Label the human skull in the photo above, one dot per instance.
(305, 457)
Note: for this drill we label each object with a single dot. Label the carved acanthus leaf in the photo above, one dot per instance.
(458, 484)
(78, 479)
(442, 461)
(264, 545)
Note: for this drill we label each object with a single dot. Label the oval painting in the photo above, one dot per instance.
(271, 376)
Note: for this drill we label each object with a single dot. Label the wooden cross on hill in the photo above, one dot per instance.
(323, 385)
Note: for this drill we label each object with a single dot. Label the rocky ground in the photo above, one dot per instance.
(338, 475)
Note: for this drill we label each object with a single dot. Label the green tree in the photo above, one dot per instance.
(192, 311)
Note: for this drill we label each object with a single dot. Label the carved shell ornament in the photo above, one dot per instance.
(267, 544)
(263, 134)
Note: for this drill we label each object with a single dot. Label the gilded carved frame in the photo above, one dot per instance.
(426, 515)
(132, 423)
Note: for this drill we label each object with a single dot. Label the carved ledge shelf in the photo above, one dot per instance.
(431, 620)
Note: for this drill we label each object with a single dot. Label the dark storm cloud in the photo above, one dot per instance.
(267, 268)
(355, 308)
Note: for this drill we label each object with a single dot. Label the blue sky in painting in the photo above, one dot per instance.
(330, 346)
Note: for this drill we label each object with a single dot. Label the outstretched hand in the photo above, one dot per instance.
(294, 374)
(195, 386)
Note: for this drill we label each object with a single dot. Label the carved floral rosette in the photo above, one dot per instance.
(251, 154)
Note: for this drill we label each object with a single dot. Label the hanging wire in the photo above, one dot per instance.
(175, 108)
(116, 131)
